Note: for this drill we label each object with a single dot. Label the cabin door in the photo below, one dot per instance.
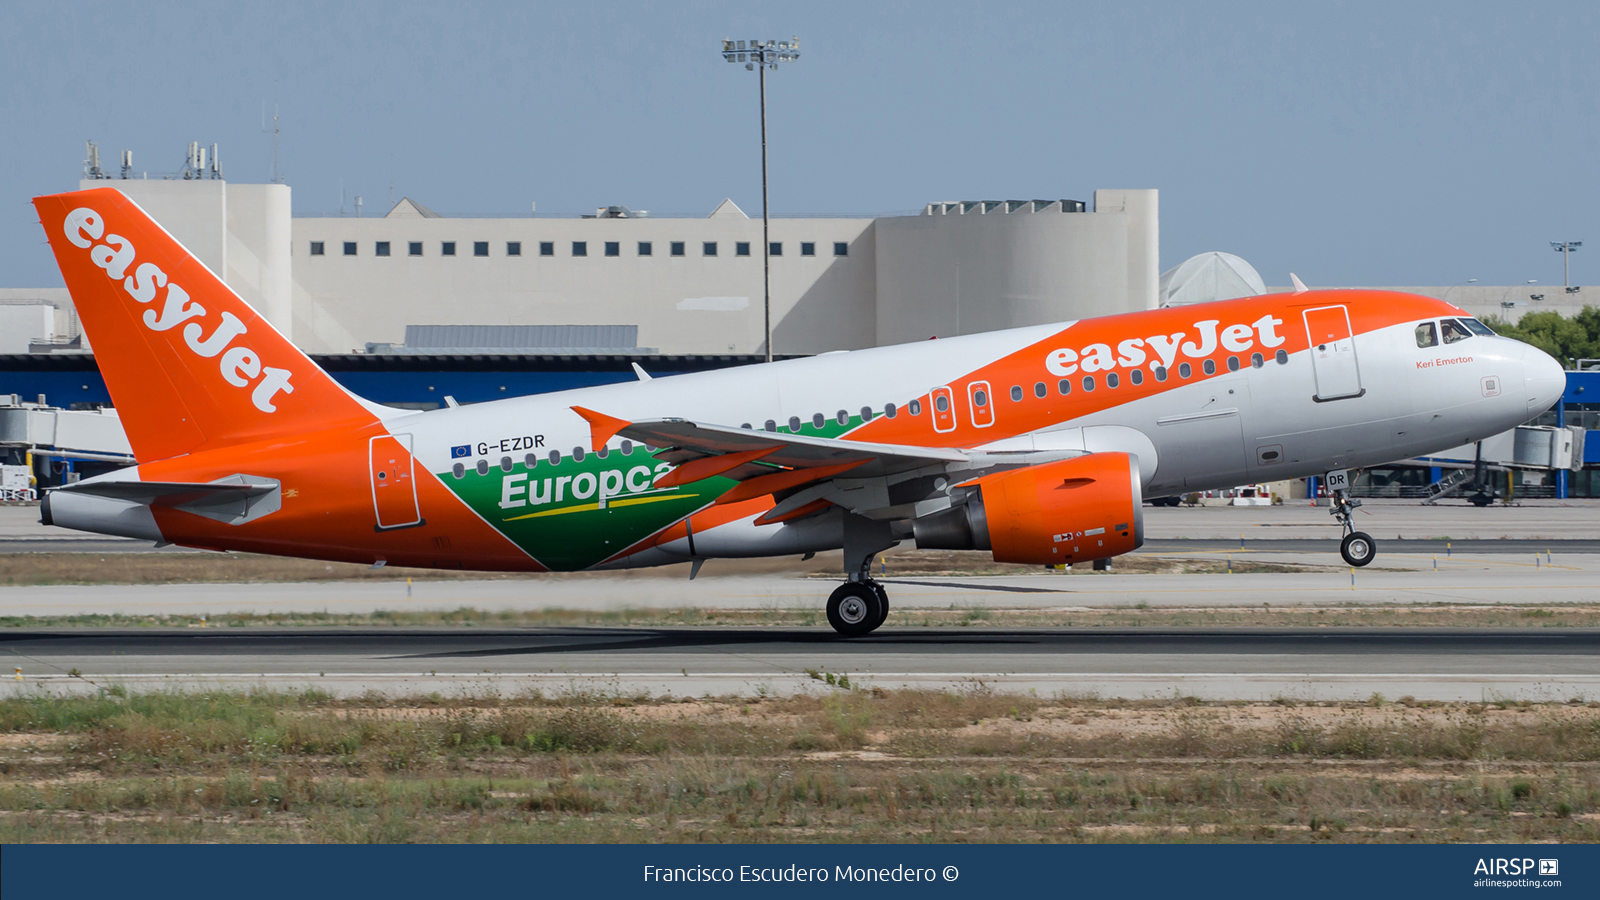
(1333, 353)
(394, 489)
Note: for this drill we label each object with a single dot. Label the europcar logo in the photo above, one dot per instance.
(240, 365)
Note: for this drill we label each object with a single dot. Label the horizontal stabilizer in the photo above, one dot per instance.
(167, 493)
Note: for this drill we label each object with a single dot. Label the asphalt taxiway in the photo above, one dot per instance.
(1256, 663)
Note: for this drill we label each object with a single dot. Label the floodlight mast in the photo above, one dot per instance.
(760, 56)
(1565, 248)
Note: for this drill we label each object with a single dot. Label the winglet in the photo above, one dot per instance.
(1299, 286)
(602, 428)
(639, 370)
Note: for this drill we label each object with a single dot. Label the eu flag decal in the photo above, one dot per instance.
(461, 452)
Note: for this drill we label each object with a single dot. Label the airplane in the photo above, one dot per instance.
(1037, 444)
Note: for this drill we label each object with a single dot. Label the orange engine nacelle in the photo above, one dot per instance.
(1072, 510)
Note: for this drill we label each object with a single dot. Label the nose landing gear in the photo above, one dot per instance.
(1358, 548)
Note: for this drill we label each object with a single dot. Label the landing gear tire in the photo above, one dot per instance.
(855, 609)
(1358, 548)
(883, 604)
(1480, 500)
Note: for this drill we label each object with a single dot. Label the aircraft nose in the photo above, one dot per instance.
(1544, 381)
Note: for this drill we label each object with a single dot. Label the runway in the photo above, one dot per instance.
(1245, 664)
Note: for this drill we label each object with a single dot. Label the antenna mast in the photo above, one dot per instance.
(277, 177)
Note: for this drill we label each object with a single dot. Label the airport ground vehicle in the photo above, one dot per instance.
(1036, 444)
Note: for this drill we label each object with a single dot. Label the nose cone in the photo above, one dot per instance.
(1544, 381)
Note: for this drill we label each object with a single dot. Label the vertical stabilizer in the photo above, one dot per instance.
(187, 362)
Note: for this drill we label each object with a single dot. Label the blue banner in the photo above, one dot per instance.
(1346, 872)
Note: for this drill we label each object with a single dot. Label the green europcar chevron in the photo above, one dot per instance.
(555, 512)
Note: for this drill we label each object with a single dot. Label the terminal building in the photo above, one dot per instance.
(412, 306)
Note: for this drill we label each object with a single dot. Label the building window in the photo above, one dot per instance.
(580, 248)
(645, 249)
(677, 248)
(808, 248)
(447, 248)
(741, 248)
(775, 248)
(349, 248)
(382, 248)
(480, 248)
(613, 248)
(414, 248)
(840, 248)
(513, 248)
(547, 248)
(709, 248)
(317, 248)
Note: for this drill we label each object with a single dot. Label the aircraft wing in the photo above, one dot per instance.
(686, 441)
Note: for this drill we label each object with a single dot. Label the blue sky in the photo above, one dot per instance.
(1354, 143)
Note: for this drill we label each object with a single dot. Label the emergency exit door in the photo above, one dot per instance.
(394, 489)
(1333, 353)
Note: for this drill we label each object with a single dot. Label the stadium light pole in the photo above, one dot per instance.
(1565, 248)
(759, 56)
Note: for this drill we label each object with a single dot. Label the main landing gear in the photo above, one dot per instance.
(1358, 548)
(858, 607)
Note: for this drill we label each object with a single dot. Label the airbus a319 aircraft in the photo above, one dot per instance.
(1037, 444)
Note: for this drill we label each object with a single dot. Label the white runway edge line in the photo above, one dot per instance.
(963, 676)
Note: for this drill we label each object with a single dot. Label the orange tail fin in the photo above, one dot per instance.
(187, 362)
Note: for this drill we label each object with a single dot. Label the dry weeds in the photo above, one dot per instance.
(849, 765)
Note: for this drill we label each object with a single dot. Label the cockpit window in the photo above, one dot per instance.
(1453, 331)
(1477, 327)
(1427, 335)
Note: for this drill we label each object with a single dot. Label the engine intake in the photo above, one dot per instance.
(1083, 508)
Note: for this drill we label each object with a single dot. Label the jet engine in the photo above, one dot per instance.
(1072, 510)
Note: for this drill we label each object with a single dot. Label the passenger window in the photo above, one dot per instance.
(1233, 364)
(1088, 382)
(1039, 390)
(1210, 367)
(942, 403)
(1184, 371)
(770, 425)
(1453, 331)
(866, 414)
(843, 417)
(817, 420)
(889, 410)
(1136, 376)
(1282, 356)
(1427, 335)
(1161, 373)
(1016, 393)
(1256, 361)
(1111, 379)
(794, 424)
(1064, 386)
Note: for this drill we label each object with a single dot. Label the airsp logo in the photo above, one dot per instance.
(1549, 867)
